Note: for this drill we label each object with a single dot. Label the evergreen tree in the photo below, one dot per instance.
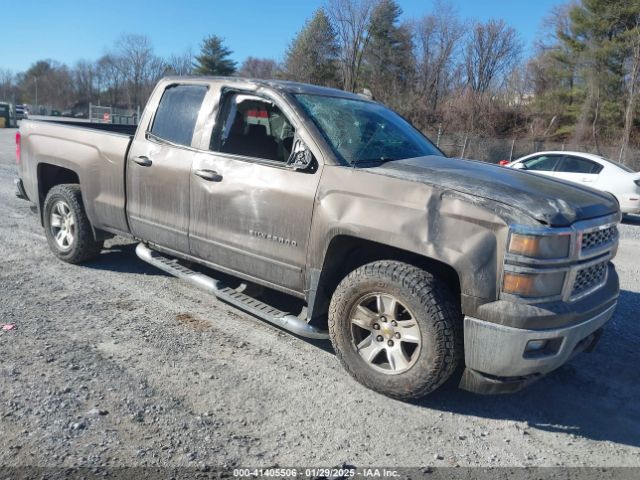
(601, 33)
(312, 55)
(552, 73)
(388, 57)
(214, 58)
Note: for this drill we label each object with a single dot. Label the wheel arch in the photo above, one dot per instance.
(49, 175)
(346, 252)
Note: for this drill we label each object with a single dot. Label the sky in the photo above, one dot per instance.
(70, 30)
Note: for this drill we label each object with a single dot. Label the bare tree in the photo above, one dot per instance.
(254, 67)
(180, 64)
(47, 82)
(84, 80)
(351, 19)
(139, 66)
(493, 48)
(110, 80)
(438, 39)
(8, 86)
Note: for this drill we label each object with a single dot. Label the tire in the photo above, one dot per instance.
(64, 212)
(424, 306)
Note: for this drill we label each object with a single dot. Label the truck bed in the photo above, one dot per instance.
(94, 152)
(105, 127)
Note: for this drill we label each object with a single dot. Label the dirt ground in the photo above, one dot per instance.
(113, 363)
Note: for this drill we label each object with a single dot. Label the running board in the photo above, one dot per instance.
(238, 299)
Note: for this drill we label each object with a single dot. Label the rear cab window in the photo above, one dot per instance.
(177, 113)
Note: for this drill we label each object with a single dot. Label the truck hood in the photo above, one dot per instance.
(547, 200)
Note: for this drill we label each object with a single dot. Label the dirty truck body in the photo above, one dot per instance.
(416, 264)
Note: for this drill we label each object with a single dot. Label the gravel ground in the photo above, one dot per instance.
(113, 363)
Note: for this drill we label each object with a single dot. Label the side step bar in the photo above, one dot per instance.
(238, 299)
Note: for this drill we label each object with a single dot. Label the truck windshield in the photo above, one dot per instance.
(361, 132)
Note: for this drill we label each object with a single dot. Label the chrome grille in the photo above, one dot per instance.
(589, 277)
(598, 238)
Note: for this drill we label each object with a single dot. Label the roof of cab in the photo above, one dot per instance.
(282, 85)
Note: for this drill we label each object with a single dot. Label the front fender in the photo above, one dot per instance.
(444, 226)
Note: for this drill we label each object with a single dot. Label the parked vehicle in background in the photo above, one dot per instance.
(7, 115)
(589, 170)
(22, 112)
(412, 263)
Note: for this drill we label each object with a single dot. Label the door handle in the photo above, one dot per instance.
(587, 179)
(142, 161)
(210, 175)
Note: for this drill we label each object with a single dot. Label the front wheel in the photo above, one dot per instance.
(396, 329)
(67, 227)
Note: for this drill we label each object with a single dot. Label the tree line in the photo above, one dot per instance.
(440, 71)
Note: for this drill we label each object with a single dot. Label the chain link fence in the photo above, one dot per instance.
(493, 150)
(120, 116)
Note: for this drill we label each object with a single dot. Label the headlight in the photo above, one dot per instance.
(533, 284)
(540, 246)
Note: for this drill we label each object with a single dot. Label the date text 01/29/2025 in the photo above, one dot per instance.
(343, 472)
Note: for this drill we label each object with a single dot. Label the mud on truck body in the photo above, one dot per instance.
(416, 266)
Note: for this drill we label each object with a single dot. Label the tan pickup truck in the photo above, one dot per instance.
(412, 263)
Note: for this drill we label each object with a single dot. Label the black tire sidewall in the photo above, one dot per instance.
(430, 369)
(83, 246)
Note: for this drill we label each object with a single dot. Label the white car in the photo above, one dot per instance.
(590, 170)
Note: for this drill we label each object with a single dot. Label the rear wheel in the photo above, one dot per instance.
(396, 329)
(67, 227)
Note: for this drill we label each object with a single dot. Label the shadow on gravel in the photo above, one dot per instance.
(595, 396)
(122, 258)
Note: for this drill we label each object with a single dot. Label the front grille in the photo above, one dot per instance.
(589, 277)
(598, 238)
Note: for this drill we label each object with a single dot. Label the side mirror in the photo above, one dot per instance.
(520, 166)
(301, 157)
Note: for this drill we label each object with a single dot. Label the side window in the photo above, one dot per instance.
(579, 165)
(253, 127)
(177, 113)
(543, 163)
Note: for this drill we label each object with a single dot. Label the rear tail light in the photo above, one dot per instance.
(18, 148)
(503, 162)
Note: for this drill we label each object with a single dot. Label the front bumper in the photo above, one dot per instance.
(502, 349)
(496, 359)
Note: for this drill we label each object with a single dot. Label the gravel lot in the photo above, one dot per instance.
(114, 363)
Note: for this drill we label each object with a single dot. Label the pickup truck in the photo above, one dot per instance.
(416, 266)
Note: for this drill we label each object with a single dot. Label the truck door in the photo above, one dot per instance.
(159, 168)
(250, 208)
